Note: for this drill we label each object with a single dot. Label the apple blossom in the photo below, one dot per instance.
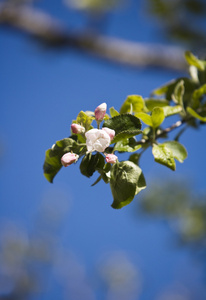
(100, 112)
(110, 132)
(76, 128)
(97, 140)
(111, 158)
(69, 158)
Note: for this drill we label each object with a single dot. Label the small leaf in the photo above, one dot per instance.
(113, 112)
(178, 150)
(168, 89)
(197, 95)
(157, 116)
(97, 180)
(105, 172)
(145, 118)
(133, 103)
(161, 90)
(195, 115)
(178, 93)
(152, 103)
(126, 135)
(127, 145)
(164, 156)
(127, 180)
(91, 163)
(51, 167)
(125, 126)
(194, 61)
(172, 110)
(85, 119)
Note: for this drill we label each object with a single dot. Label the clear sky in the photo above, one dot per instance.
(41, 93)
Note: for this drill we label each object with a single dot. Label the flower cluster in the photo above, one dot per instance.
(96, 139)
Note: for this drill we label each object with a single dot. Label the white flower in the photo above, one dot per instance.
(97, 140)
(110, 132)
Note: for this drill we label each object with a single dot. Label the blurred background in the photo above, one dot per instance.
(63, 240)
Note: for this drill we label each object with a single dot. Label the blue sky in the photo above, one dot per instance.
(42, 92)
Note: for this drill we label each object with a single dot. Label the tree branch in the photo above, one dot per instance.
(162, 132)
(46, 29)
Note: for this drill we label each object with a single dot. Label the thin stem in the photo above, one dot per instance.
(169, 129)
(162, 132)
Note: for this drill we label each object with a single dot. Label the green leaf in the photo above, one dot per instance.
(52, 163)
(162, 89)
(157, 116)
(125, 126)
(105, 172)
(178, 93)
(113, 112)
(127, 145)
(133, 103)
(127, 180)
(163, 155)
(152, 103)
(97, 180)
(168, 89)
(91, 163)
(178, 150)
(194, 61)
(197, 95)
(85, 119)
(145, 118)
(195, 115)
(172, 110)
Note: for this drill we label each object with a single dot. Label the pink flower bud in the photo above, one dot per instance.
(69, 158)
(100, 112)
(111, 158)
(110, 132)
(76, 128)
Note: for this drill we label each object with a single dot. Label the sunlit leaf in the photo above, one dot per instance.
(195, 115)
(197, 95)
(178, 93)
(85, 119)
(152, 103)
(178, 150)
(127, 145)
(163, 155)
(133, 104)
(172, 110)
(113, 112)
(157, 116)
(194, 61)
(145, 118)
